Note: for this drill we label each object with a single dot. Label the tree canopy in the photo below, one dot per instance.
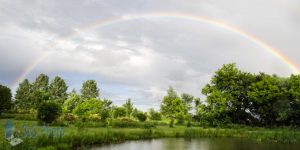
(5, 98)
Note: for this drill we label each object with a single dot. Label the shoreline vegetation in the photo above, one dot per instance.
(81, 137)
(238, 104)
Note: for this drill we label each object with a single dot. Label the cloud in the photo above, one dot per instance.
(141, 58)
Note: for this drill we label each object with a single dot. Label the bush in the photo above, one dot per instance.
(69, 117)
(125, 123)
(119, 112)
(48, 112)
(180, 118)
(88, 107)
(94, 117)
(154, 115)
(171, 123)
(141, 116)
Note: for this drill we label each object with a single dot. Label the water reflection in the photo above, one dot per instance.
(198, 144)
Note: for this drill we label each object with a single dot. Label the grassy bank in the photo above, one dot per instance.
(75, 137)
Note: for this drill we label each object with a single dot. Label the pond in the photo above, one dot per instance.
(198, 144)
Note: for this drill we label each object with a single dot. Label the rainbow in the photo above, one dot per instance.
(175, 15)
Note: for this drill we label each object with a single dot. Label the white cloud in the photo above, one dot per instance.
(140, 58)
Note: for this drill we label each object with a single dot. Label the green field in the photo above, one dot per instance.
(80, 137)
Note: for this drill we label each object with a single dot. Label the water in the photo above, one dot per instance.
(198, 144)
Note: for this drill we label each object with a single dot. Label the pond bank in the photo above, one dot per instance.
(82, 137)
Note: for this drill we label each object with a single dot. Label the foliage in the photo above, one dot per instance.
(48, 112)
(73, 100)
(125, 123)
(5, 99)
(154, 115)
(106, 110)
(119, 112)
(173, 106)
(22, 97)
(69, 117)
(41, 83)
(89, 90)
(88, 107)
(129, 107)
(188, 99)
(238, 97)
(141, 116)
(58, 90)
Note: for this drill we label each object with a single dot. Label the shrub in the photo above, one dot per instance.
(69, 117)
(125, 123)
(94, 117)
(119, 112)
(180, 118)
(171, 123)
(88, 107)
(49, 111)
(154, 115)
(141, 116)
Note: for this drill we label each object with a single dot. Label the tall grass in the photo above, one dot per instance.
(82, 136)
(287, 136)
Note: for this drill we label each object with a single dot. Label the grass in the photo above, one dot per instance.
(78, 137)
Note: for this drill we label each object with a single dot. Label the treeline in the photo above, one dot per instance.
(232, 97)
(235, 96)
(50, 100)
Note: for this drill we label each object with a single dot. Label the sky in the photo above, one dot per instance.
(140, 58)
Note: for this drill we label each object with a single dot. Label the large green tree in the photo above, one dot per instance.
(172, 106)
(23, 95)
(227, 94)
(41, 83)
(58, 90)
(294, 95)
(89, 89)
(269, 98)
(5, 99)
(89, 107)
(40, 90)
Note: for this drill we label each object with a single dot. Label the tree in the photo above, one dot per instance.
(5, 99)
(40, 90)
(228, 92)
(58, 90)
(89, 107)
(89, 90)
(188, 99)
(106, 109)
(37, 97)
(141, 116)
(49, 111)
(129, 107)
(119, 112)
(179, 109)
(172, 105)
(23, 96)
(268, 96)
(41, 83)
(154, 115)
(294, 94)
(73, 100)
(197, 102)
